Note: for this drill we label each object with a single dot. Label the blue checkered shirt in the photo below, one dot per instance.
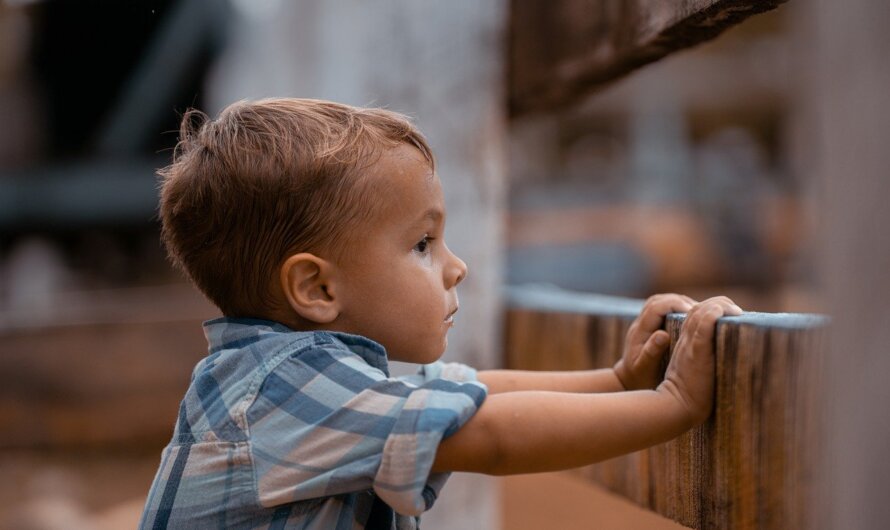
(285, 429)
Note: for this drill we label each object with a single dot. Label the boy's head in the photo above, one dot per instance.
(275, 209)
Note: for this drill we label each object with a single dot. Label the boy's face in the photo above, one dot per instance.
(397, 281)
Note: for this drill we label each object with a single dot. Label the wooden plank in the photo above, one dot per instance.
(562, 50)
(749, 465)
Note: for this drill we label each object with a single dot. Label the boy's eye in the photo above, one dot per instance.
(423, 246)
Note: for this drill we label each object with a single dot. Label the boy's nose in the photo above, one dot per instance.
(457, 271)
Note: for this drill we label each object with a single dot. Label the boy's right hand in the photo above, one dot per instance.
(640, 365)
(690, 374)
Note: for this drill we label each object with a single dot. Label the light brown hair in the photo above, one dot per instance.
(267, 179)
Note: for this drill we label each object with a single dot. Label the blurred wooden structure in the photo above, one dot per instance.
(562, 50)
(844, 135)
(102, 372)
(750, 464)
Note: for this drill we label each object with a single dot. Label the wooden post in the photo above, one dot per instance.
(749, 465)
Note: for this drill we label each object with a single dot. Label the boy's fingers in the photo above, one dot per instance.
(673, 303)
(688, 300)
(730, 307)
(734, 310)
(657, 307)
(705, 324)
(702, 320)
(654, 347)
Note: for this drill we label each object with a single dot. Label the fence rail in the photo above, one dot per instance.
(749, 465)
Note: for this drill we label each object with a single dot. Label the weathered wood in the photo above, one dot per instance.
(748, 466)
(562, 50)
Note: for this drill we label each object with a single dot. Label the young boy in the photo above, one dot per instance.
(318, 230)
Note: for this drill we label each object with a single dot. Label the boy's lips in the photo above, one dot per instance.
(450, 317)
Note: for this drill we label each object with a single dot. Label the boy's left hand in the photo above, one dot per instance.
(646, 342)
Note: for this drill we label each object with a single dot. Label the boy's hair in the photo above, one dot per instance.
(267, 179)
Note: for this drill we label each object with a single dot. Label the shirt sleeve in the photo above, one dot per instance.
(325, 422)
(458, 372)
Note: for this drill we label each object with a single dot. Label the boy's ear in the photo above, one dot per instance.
(306, 282)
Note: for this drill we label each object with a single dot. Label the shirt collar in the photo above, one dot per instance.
(229, 332)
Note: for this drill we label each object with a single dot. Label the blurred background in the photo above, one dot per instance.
(687, 175)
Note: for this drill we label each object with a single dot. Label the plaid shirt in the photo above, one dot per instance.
(285, 429)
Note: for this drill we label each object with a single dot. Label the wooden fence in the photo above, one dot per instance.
(751, 464)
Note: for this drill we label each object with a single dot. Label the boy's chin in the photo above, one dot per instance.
(418, 356)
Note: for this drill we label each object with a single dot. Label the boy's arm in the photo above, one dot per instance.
(638, 368)
(585, 381)
(527, 432)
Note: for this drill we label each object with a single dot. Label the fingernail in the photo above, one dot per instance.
(661, 340)
(739, 308)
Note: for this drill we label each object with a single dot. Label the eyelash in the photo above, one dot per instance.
(425, 243)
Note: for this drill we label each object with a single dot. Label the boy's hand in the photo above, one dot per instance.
(690, 374)
(646, 342)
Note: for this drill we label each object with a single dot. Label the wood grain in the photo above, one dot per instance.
(750, 464)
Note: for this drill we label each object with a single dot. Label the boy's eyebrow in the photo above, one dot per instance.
(434, 214)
